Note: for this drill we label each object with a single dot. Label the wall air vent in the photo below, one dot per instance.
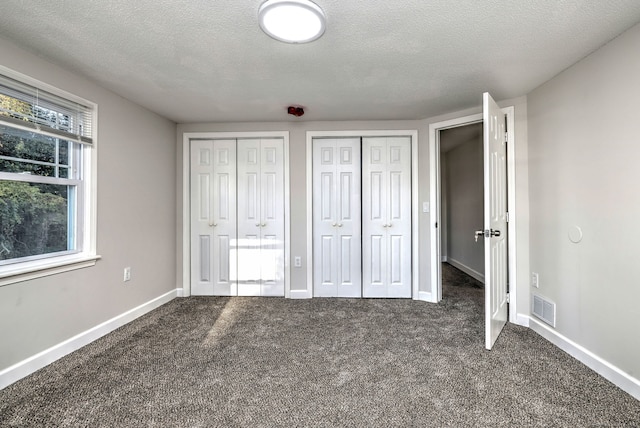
(545, 310)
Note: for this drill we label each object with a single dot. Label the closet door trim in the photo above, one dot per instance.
(183, 288)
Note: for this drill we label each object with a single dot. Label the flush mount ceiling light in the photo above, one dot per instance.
(292, 21)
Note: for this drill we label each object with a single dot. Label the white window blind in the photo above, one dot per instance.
(29, 107)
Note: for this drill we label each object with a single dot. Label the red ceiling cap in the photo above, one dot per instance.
(295, 111)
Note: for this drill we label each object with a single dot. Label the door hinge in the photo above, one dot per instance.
(508, 298)
(507, 216)
(506, 137)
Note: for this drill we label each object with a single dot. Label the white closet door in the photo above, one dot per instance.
(272, 212)
(336, 218)
(213, 217)
(260, 252)
(386, 213)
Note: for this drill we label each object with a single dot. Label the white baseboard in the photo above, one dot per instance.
(180, 292)
(48, 356)
(522, 319)
(444, 259)
(466, 269)
(300, 294)
(425, 296)
(605, 369)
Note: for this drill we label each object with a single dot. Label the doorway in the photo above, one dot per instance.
(435, 202)
(462, 196)
(462, 211)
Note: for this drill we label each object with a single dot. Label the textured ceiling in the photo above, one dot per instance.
(208, 60)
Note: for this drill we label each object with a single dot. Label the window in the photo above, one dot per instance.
(46, 170)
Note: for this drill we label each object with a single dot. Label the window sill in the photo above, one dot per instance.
(32, 270)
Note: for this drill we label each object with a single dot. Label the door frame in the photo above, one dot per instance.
(186, 199)
(413, 134)
(435, 203)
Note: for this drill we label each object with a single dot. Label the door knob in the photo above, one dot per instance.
(334, 224)
(263, 225)
(339, 224)
(486, 233)
(257, 224)
(213, 224)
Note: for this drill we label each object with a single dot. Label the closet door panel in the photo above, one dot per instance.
(325, 256)
(399, 230)
(271, 267)
(386, 217)
(213, 216)
(348, 216)
(396, 260)
(374, 213)
(237, 217)
(377, 265)
(336, 218)
(261, 217)
(224, 216)
(346, 269)
(249, 270)
(201, 233)
(272, 217)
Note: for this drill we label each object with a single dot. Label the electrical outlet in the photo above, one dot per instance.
(297, 261)
(127, 274)
(535, 280)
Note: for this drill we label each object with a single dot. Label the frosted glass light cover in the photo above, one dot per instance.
(292, 21)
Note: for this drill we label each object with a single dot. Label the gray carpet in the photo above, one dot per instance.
(266, 362)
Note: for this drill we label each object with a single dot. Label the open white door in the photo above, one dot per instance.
(495, 220)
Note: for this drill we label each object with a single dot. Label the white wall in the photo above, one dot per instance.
(297, 139)
(136, 224)
(297, 161)
(584, 153)
(577, 150)
(463, 191)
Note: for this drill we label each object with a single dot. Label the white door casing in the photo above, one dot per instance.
(336, 218)
(495, 220)
(213, 216)
(386, 214)
(260, 245)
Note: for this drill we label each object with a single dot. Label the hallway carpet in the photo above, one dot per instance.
(270, 362)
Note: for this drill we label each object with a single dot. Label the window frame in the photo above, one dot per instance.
(85, 224)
